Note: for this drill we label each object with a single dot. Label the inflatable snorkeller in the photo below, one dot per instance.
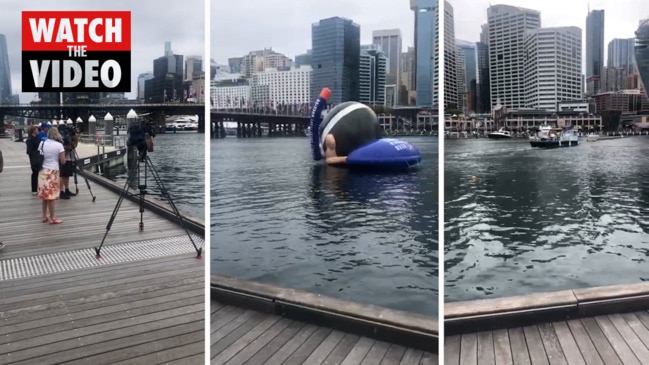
(350, 135)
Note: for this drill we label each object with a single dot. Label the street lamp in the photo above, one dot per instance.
(108, 125)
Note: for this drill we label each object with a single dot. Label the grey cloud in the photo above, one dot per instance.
(152, 23)
(238, 27)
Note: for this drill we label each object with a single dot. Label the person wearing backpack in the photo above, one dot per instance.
(33, 141)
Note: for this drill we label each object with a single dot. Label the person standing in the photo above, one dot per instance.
(49, 176)
(33, 141)
(45, 127)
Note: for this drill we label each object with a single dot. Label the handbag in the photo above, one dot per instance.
(37, 156)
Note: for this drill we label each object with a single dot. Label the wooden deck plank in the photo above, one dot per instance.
(293, 343)
(601, 343)
(394, 355)
(343, 348)
(239, 328)
(619, 344)
(411, 357)
(640, 330)
(262, 356)
(519, 350)
(469, 349)
(325, 348)
(376, 354)
(452, 348)
(485, 351)
(359, 351)
(586, 345)
(535, 345)
(553, 351)
(245, 353)
(250, 335)
(568, 344)
(630, 337)
(502, 348)
(305, 350)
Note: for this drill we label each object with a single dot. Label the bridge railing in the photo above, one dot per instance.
(289, 112)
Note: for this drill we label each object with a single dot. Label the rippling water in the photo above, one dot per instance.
(279, 218)
(180, 161)
(544, 220)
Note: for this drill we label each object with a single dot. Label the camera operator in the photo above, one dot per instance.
(141, 136)
(70, 142)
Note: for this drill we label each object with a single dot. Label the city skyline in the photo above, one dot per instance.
(186, 37)
(246, 28)
(621, 18)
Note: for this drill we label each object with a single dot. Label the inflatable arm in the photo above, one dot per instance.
(316, 119)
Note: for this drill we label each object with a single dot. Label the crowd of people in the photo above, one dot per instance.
(51, 173)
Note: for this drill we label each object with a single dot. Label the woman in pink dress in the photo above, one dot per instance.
(49, 176)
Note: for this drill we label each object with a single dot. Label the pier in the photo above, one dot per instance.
(142, 302)
(602, 325)
(255, 323)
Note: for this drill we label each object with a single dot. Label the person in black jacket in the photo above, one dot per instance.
(33, 141)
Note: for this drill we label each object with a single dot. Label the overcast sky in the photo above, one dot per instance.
(621, 17)
(238, 27)
(152, 23)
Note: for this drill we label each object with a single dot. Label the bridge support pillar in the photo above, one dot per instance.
(238, 130)
(2, 125)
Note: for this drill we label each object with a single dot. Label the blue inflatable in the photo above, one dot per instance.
(350, 135)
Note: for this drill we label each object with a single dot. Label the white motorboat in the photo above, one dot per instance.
(500, 134)
(549, 137)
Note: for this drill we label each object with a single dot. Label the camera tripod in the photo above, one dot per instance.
(74, 154)
(144, 167)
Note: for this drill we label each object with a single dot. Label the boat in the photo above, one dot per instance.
(550, 137)
(500, 134)
(592, 137)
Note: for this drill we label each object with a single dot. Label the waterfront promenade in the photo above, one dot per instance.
(141, 303)
(602, 325)
(255, 324)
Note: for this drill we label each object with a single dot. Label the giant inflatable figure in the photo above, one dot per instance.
(350, 135)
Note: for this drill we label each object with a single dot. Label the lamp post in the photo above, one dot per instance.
(108, 125)
(92, 125)
(79, 122)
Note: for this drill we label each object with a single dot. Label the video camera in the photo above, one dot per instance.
(140, 135)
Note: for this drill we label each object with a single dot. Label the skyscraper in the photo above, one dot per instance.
(451, 100)
(389, 41)
(5, 73)
(335, 56)
(507, 25)
(642, 52)
(620, 54)
(372, 75)
(426, 51)
(594, 50)
(546, 51)
(193, 67)
(468, 65)
(167, 82)
(483, 102)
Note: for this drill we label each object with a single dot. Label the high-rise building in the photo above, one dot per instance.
(235, 64)
(451, 96)
(467, 76)
(167, 82)
(642, 52)
(408, 77)
(507, 25)
(193, 67)
(274, 87)
(426, 51)
(547, 50)
(5, 73)
(594, 50)
(620, 54)
(613, 79)
(389, 41)
(373, 76)
(303, 59)
(336, 52)
(141, 84)
(483, 97)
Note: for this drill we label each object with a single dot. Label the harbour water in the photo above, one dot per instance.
(522, 220)
(277, 217)
(180, 161)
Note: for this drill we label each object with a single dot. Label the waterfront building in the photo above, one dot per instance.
(141, 84)
(642, 52)
(234, 64)
(594, 51)
(620, 54)
(335, 52)
(451, 92)
(373, 76)
(408, 97)
(276, 87)
(303, 59)
(193, 67)
(626, 101)
(506, 29)
(426, 51)
(167, 82)
(390, 43)
(483, 98)
(227, 95)
(574, 105)
(467, 69)
(547, 50)
(613, 79)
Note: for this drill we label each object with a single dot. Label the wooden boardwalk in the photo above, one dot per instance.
(241, 336)
(142, 303)
(607, 339)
